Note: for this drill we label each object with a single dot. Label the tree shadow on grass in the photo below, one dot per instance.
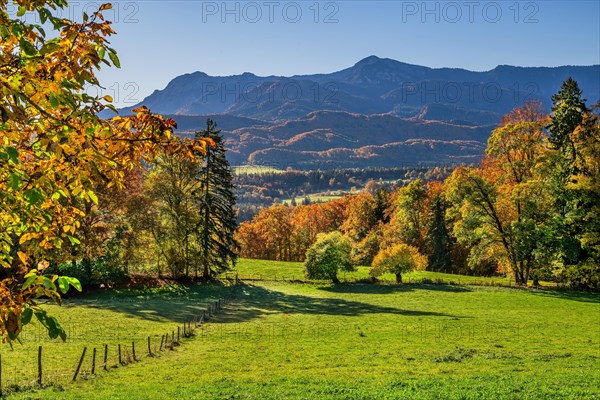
(178, 304)
(249, 302)
(565, 294)
(252, 302)
(371, 288)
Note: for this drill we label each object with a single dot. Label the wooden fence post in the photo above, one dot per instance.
(133, 351)
(79, 365)
(94, 361)
(105, 362)
(120, 358)
(39, 377)
(162, 339)
(149, 348)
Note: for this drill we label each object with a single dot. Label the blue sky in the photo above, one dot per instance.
(159, 40)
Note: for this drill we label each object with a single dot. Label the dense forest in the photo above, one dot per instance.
(530, 209)
(255, 191)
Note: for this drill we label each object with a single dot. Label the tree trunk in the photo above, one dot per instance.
(87, 268)
(398, 278)
(335, 279)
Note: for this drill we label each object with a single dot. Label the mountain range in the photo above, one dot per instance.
(377, 113)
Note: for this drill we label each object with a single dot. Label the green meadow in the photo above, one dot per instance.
(316, 340)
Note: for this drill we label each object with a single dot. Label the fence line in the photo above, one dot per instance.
(29, 376)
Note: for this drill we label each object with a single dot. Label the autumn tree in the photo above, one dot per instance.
(500, 208)
(55, 148)
(409, 217)
(360, 216)
(583, 217)
(170, 186)
(328, 256)
(215, 202)
(398, 259)
(269, 234)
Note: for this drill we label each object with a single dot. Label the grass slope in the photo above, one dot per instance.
(115, 317)
(277, 270)
(281, 340)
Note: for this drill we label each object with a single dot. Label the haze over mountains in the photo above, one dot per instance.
(379, 112)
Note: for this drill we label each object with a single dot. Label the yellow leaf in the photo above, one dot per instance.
(22, 256)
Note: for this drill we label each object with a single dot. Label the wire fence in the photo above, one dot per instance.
(49, 366)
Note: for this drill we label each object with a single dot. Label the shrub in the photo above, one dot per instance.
(398, 259)
(330, 254)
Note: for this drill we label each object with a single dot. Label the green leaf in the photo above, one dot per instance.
(21, 11)
(15, 181)
(29, 281)
(93, 196)
(49, 47)
(13, 154)
(53, 100)
(44, 14)
(27, 47)
(75, 283)
(101, 52)
(33, 196)
(42, 317)
(63, 284)
(114, 59)
(11, 335)
(26, 316)
(48, 284)
(73, 240)
(53, 330)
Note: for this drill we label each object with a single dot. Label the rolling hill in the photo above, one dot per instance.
(379, 112)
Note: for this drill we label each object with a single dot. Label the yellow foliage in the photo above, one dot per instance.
(55, 148)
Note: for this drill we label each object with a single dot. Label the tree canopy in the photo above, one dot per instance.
(55, 148)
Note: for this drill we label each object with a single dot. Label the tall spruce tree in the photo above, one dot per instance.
(439, 238)
(568, 109)
(216, 201)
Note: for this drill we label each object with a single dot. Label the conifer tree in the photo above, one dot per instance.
(439, 238)
(216, 200)
(567, 113)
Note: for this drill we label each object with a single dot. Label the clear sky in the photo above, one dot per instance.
(159, 40)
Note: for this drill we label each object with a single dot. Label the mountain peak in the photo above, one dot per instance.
(369, 60)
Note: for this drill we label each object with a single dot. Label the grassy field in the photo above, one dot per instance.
(114, 317)
(280, 340)
(277, 270)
